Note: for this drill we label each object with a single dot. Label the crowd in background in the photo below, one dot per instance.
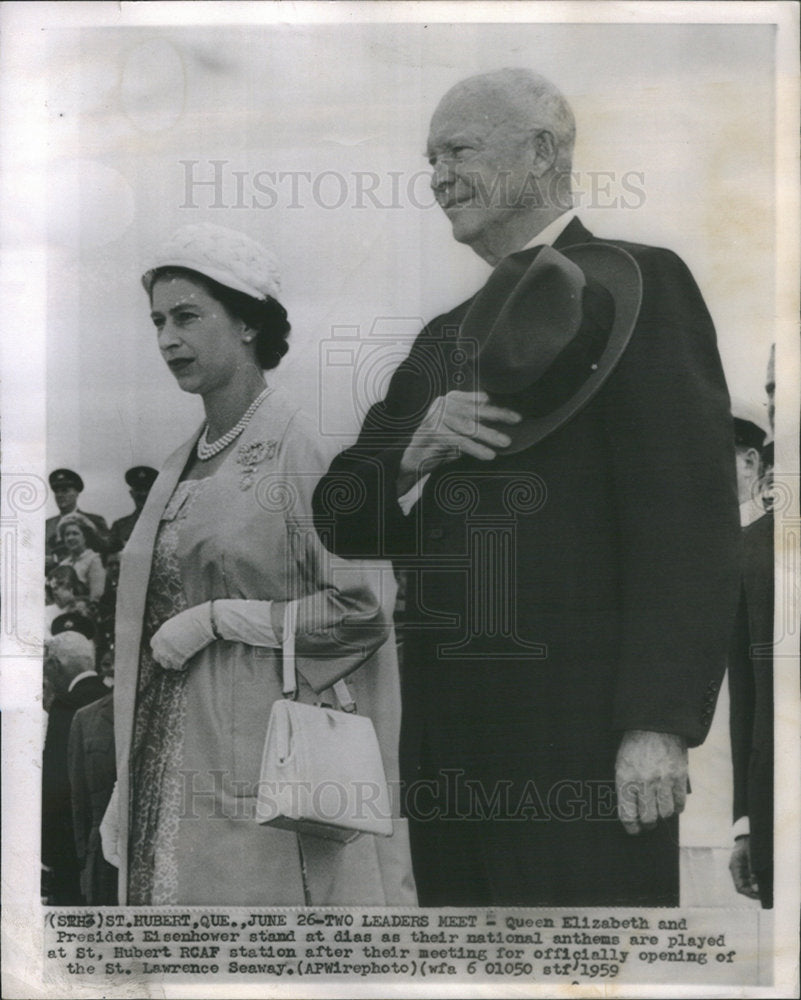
(82, 565)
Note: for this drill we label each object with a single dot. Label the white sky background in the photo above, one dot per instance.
(683, 111)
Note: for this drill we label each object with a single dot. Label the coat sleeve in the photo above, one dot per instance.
(669, 431)
(340, 616)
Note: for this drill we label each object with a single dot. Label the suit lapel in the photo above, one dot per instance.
(574, 232)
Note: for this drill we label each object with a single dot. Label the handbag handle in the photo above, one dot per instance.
(290, 683)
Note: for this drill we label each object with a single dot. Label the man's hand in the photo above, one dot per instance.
(740, 867)
(651, 778)
(453, 426)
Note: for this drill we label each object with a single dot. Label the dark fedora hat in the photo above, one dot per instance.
(546, 331)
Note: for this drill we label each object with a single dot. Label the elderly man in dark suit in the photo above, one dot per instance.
(571, 552)
(92, 772)
(71, 683)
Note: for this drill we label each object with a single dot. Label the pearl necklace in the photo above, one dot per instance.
(205, 451)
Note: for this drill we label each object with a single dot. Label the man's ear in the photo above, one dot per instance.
(53, 672)
(752, 460)
(544, 151)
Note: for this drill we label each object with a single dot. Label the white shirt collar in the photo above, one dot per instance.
(552, 232)
(80, 677)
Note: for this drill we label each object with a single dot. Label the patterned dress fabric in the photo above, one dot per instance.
(159, 724)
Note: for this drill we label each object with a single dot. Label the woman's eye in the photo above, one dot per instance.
(185, 317)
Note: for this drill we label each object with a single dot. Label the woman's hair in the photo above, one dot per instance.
(87, 530)
(266, 316)
(66, 576)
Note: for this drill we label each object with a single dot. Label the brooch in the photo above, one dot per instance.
(249, 456)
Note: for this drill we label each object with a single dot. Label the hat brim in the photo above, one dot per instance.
(72, 480)
(220, 275)
(617, 271)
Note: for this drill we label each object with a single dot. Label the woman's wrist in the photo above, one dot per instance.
(213, 621)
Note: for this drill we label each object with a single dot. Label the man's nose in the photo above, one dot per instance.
(441, 174)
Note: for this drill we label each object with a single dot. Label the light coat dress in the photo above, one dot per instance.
(197, 735)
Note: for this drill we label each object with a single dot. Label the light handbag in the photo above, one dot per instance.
(321, 770)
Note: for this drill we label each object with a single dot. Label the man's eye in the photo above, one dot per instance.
(185, 317)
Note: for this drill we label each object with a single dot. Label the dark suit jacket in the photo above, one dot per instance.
(92, 772)
(121, 529)
(577, 589)
(751, 692)
(58, 842)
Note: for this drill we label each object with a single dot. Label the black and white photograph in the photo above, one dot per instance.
(400, 499)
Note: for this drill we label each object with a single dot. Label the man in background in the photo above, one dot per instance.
(67, 486)
(70, 682)
(139, 479)
(751, 684)
(749, 442)
(92, 772)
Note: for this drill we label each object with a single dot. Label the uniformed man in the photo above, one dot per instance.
(67, 487)
(139, 479)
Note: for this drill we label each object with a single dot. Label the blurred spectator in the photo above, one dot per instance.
(767, 476)
(67, 486)
(92, 773)
(749, 438)
(751, 688)
(70, 682)
(105, 660)
(74, 621)
(76, 534)
(64, 587)
(139, 479)
(107, 605)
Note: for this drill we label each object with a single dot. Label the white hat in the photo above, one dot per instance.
(225, 255)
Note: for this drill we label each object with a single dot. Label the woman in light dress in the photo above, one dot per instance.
(224, 542)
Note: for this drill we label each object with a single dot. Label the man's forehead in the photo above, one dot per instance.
(476, 114)
(472, 104)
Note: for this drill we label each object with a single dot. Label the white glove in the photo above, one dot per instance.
(183, 635)
(180, 637)
(246, 621)
(110, 830)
